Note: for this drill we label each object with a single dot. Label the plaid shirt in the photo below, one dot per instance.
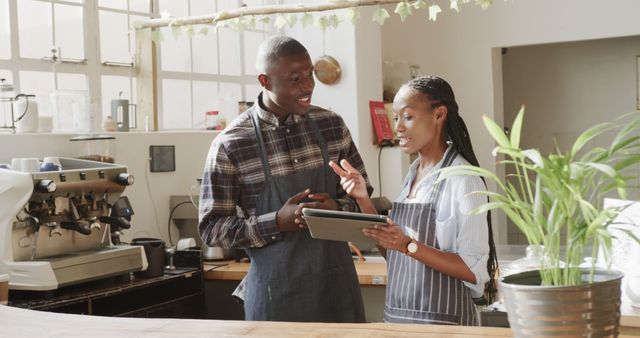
(234, 177)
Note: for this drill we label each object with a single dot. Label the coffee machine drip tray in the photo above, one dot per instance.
(77, 267)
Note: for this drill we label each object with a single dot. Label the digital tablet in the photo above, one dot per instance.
(341, 226)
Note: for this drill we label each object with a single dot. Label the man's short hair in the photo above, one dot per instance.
(275, 48)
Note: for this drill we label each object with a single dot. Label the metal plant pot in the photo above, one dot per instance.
(588, 310)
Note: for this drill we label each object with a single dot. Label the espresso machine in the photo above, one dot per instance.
(61, 228)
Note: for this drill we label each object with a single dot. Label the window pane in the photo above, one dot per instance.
(139, 6)
(251, 42)
(205, 53)
(34, 28)
(39, 83)
(200, 7)
(115, 4)
(174, 8)
(5, 37)
(114, 42)
(112, 87)
(251, 92)
(174, 53)
(229, 95)
(67, 81)
(5, 107)
(204, 100)
(176, 104)
(229, 51)
(69, 31)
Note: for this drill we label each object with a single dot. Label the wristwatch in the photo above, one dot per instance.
(412, 247)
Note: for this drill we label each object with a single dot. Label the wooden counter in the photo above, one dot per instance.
(16, 322)
(375, 275)
(369, 274)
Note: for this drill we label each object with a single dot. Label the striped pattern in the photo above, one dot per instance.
(456, 229)
(415, 292)
(234, 175)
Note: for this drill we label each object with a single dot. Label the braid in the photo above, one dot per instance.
(439, 92)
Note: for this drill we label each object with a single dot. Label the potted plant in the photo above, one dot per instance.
(556, 200)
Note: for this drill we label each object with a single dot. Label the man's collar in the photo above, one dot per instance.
(270, 118)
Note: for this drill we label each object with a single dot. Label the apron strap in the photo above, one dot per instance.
(263, 149)
(437, 189)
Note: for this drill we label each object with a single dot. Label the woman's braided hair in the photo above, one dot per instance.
(438, 92)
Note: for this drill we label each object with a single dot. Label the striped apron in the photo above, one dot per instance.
(417, 293)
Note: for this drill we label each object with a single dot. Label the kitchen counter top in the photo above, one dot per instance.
(16, 322)
(369, 274)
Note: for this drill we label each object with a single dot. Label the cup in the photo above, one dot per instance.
(50, 164)
(30, 165)
(4, 289)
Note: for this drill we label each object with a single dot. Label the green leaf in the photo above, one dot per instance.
(433, 12)
(322, 22)
(280, 22)
(455, 6)
(156, 36)
(190, 31)
(588, 135)
(420, 4)
(203, 30)
(334, 20)
(352, 14)
(176, 31)
(293, 19)
(484, 4)
(534, 156)
(516, 128)
(306, 20)
(496, 132)
(403, 9)
(380, 15)
(265, 20)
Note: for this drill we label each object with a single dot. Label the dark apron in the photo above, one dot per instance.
(417, 293)
(300, 278)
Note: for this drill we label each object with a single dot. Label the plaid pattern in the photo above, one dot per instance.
(233, 176)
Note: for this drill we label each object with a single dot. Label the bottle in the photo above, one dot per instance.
(211, 120)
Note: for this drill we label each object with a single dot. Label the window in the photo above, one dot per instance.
(50, 45)
(216, 71)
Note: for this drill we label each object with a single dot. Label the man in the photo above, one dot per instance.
(268, 164)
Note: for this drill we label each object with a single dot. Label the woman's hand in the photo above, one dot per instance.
(351, 180)
(388, 236)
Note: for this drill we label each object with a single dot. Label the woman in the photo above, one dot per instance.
(439, 256)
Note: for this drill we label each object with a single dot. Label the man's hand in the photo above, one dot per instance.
(320, 201)
(286, 216)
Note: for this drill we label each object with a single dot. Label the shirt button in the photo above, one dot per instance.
(288, 131)
(273, 237)
(295, 161)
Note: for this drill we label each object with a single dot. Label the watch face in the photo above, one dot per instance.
(412, 247)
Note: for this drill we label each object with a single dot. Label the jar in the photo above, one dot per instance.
(212, 120)
(99, 148)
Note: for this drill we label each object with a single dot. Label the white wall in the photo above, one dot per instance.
(567, 88)
(460, 47)
(358, 50)
(150, 201)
